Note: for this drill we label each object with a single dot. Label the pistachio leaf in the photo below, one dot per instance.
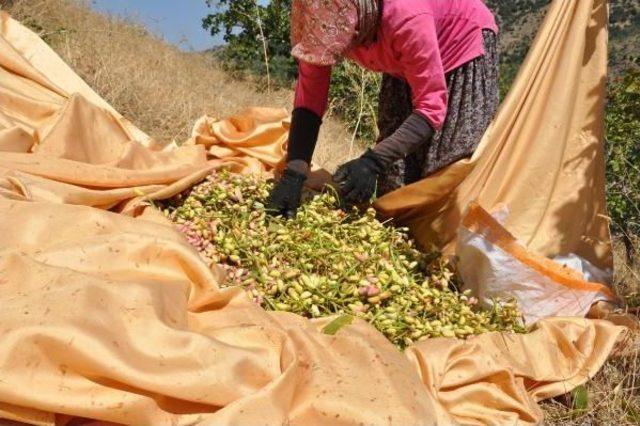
(632, 414)
(334, 326)
(580, 398)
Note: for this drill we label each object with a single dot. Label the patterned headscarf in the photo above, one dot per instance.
(322, 30)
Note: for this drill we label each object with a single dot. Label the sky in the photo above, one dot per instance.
(177, 21)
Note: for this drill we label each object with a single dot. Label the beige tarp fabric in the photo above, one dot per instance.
(22, 47)
(112, 316)
(543, 154)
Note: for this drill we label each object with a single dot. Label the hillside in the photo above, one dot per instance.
(519, 21)
(160, 88)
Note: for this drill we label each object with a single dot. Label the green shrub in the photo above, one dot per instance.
(249, 29)
(354, 97)
(623, 154)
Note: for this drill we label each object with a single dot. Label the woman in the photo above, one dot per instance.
(439, 88)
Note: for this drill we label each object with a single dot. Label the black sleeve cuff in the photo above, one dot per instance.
(303, 135)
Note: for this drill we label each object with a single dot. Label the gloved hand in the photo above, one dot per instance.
(357, 179)
(285, 196)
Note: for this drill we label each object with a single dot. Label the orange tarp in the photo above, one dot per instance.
(108, 313)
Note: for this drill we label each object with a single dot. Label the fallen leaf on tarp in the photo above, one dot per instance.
(334, 326)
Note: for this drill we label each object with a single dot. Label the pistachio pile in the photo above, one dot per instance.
(327, 262)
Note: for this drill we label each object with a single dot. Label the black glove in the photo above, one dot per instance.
(357, 178)
(285, 196)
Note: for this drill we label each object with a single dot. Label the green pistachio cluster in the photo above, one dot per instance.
(327, 261)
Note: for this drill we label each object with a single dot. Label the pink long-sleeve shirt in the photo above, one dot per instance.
(419, 41)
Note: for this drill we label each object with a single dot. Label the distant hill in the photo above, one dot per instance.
(520, 19)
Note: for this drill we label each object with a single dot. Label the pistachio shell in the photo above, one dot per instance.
(327, 261)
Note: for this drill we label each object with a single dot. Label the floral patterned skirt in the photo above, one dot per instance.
(473, 101)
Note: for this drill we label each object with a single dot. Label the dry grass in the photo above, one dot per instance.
(614, 393)
(156, 86)
(627, 273)
(613, 397)
(164, 90)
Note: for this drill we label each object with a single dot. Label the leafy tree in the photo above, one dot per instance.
(623, 157)
(251, 30)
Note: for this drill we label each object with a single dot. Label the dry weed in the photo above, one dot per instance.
(614, 393)
(613, 396)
